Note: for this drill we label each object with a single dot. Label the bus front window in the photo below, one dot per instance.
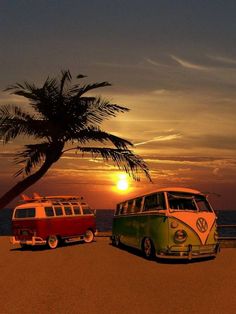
(182, 203)
(202, 204)
(191, 202)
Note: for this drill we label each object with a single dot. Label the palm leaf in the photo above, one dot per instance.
(96, 134)
(95, 110)
(79, 90)
(66, 77)
(124, 159)
(14, 122)
(32, 156)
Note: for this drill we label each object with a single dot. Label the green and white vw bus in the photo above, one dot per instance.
(167, 223)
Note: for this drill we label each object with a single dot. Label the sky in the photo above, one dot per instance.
(173, 63)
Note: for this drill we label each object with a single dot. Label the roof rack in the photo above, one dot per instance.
(39, 198)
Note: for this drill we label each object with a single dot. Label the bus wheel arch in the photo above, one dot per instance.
(53, 241)
(148, 248)
(89, 236)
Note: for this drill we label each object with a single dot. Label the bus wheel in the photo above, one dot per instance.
(52, 241)
(148, 248)
(89, 236)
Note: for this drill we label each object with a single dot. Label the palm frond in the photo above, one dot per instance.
(79, 90)
(26, 90)
(124, 159)
(14, 121)
(65, 77)
(96, 134)
(94, 110)
(42, 99)
(31, 157)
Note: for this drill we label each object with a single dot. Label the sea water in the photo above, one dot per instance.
(104, 219)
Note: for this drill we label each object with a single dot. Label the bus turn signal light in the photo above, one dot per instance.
(174, 224)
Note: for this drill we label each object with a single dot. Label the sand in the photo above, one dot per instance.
(99, 278)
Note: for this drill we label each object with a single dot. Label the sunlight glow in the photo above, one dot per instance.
(122, 183)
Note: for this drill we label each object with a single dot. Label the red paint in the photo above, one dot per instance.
(37, 229)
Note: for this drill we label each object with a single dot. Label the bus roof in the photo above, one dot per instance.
(168, 189)
(38, 198)
(178, 189)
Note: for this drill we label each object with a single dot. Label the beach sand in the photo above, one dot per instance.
(99, 278)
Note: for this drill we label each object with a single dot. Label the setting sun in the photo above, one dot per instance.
(122, 183)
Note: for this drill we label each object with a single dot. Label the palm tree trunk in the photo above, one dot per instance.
(21, 186)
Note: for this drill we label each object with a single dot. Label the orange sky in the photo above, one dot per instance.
(173, 65)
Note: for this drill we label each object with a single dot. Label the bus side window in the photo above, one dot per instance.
(129, 206)
(161, 203)
(58, 211)
(87, 211)
(117, 209)
(137, 205)
(77, 210)
(123, 208)
(154, 202)
(68, 210)
(49, 211)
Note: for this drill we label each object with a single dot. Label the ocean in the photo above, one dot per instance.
(224, 217)
(104, 221)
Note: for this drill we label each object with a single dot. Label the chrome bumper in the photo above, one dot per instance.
(189, 251)
(33, 241)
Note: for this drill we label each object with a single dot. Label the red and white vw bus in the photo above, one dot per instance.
(52, 220)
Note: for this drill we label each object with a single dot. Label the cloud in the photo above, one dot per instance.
(152, 62)
(6, 98)
(160, 91)
(223, 59)
(7, 154)
(189, 65)
(216, 164)
(215, 141)
(114, 65)
(216, 171)
(161, 138)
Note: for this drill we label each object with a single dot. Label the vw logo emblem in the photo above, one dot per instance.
(202, 224)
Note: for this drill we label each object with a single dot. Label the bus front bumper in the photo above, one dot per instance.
(189, 251)
(32, 241)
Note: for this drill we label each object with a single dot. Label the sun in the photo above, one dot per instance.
(122, 183)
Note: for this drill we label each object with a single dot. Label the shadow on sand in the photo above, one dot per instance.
(161, 260)
(46, 248)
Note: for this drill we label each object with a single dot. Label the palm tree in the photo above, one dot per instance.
(61, 114)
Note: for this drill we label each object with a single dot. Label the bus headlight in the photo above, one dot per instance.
(180, 236)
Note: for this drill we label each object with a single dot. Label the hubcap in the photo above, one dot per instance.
(88, 236)
(52, 241)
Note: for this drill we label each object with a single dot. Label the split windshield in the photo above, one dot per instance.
(188, 202)
(25, 213)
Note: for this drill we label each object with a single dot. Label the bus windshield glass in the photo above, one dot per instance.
(188, 202)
